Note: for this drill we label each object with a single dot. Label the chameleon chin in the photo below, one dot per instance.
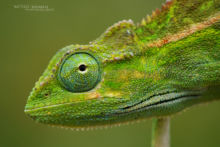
(166, 63)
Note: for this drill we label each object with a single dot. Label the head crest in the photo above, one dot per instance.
(119, 35)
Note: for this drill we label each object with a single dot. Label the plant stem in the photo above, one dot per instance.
(161, 132)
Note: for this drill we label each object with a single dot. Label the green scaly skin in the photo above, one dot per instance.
(167, 63)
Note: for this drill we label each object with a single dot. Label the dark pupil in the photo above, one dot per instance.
(82, 67)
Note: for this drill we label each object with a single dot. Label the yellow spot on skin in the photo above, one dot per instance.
(138, 75)
(112, 94)
(143, 60)
(93, 95)
(125, 75)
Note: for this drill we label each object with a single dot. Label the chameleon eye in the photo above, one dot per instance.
(80, 72)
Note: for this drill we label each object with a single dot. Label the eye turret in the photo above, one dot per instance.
(79, 72)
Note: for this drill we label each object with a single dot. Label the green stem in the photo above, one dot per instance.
(161, 132)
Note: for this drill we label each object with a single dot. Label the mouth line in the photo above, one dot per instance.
(149, 98)
(47, 106)
(51, 106)
(157, 100)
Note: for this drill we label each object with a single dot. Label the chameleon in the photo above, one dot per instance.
(168, 62)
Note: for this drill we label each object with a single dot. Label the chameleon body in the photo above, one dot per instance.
(163, 65)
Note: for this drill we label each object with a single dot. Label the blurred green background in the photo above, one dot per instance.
(29, 38)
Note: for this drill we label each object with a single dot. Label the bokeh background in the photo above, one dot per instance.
(30, 37)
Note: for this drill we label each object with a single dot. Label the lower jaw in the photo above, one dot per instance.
(160, 110)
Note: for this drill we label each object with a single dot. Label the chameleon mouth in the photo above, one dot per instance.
(163, 101)
(152, 106)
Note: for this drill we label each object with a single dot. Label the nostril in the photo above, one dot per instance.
(82, 67)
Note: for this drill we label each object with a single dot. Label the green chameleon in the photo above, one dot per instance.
(163, 65)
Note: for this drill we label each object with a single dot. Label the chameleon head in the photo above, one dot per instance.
(116, 79)
(80, 89)
(83, 86)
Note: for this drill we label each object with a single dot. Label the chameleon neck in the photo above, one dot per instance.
(192, 62)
